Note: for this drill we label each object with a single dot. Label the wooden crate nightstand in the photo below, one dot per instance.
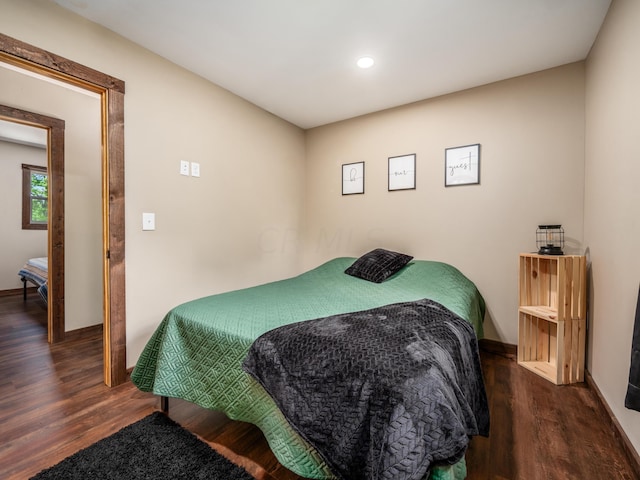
(552, 316)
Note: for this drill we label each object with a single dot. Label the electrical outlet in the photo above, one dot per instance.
(184, 167)
(195, 169)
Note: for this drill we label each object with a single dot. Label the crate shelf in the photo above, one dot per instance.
(552, 316)
(542, 368)
(542, 311)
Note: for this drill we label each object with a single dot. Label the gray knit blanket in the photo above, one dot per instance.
(385, 393)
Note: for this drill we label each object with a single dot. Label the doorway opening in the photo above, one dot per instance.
(55, 241)
(111, 91)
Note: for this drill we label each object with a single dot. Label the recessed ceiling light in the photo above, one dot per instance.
(365, 62)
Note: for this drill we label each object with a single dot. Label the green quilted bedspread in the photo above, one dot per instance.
(197, 351)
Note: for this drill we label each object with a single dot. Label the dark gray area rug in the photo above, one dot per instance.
(155, 448)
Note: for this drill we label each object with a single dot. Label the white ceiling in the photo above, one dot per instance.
(296, 58)
(23, 134)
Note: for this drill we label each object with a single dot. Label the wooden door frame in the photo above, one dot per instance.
(55, 229)
(111, 91)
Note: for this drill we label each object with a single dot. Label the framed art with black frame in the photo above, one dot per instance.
(352, 178)
(402, 172)
(462, 165)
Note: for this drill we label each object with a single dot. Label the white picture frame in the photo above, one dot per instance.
(462, 165)
(353, 178)
(402, 172)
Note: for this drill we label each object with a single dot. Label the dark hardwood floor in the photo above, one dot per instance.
(53, 403)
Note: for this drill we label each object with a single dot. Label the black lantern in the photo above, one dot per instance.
(550, 239)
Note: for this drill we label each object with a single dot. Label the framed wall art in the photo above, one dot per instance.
(462, 165)
(402, 172)
(352, 178)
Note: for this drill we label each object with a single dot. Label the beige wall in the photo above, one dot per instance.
(16, 244)
(531, 131)
(225, 230)
(612, 205)
(83, 220)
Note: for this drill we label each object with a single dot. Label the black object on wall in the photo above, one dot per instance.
(632, 400)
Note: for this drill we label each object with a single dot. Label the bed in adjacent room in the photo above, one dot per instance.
(207, 351)
(35, 271)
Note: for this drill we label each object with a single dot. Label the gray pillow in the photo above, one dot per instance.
(378, 265)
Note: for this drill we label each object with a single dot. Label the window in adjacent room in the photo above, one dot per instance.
(35, 197)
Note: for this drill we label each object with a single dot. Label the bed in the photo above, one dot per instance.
(197, 351)
(35, 271)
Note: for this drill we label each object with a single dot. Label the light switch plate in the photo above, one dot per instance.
(195, 169)
(184, 167)
(148, 221)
